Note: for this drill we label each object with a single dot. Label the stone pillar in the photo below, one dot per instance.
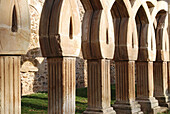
(61, 85)
(145, 87)
(14, 38)
(10, 85)
(99, 87)
(160, 65)
(126, 53)
(98, 48)
(60, 39)
(153, 45)
(125, 88)
(161, 83)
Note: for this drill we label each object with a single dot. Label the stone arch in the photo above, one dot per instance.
(162, 40)
(54, 29)
(97, 42)
(146, 33)
(60, 40)
(160, 15)
(161, 31)
(125, 31)
(18, 41)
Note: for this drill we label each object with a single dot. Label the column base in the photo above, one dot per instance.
(150, 106)
(99, 111)
(164, 101)
(127, 108)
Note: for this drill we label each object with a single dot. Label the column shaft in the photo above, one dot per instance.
(99, 95)
(61, 87)
(145, 87)
(10, 85)
(161, 83)
(125, 88)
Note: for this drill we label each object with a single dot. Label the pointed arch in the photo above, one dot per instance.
(125, 31)
(98, 33)
(162, 40)
(14, 27)
(146, 33)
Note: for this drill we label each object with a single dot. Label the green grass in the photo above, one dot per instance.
(38, 103)
(34, 104)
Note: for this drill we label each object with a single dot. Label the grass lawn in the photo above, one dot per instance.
(38, 103)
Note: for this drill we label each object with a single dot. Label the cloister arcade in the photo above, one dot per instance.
(133, 33)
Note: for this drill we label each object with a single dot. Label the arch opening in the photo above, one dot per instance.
(120, 20)
(71, 28)
(142, 24)
(159, 32)
(14, 27)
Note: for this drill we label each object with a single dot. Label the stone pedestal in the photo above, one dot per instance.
(145, 87)
(61, 85)
(10, 85)
(161, 83)
(125, 88)
(99, 95)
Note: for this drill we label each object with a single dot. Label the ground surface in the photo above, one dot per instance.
(38, 103)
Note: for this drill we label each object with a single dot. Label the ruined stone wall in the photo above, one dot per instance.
(34, 72)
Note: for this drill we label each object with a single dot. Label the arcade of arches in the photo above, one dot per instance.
(132, 33)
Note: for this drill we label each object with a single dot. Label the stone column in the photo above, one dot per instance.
(61, 85)
(99, 98)
(152, 47)
(126, 53)
(161, 83)
(160, 65)
(98, 48)
(125, 88)
(145, 87)
(14, 38)
(60, 39)
(10, 85)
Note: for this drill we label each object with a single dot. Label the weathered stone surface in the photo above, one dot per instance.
(161, 83)
(61, 85)
(34, 57)
(14, 27)
(14, 41)
(60, 29)
(97, 30)
(145, 87)
(97, 47)
(152, 39)
(60, 39)
(125, 88)
(10, 84)
(126, 38)
(99, 95)
(160, 66)
(126, 52)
